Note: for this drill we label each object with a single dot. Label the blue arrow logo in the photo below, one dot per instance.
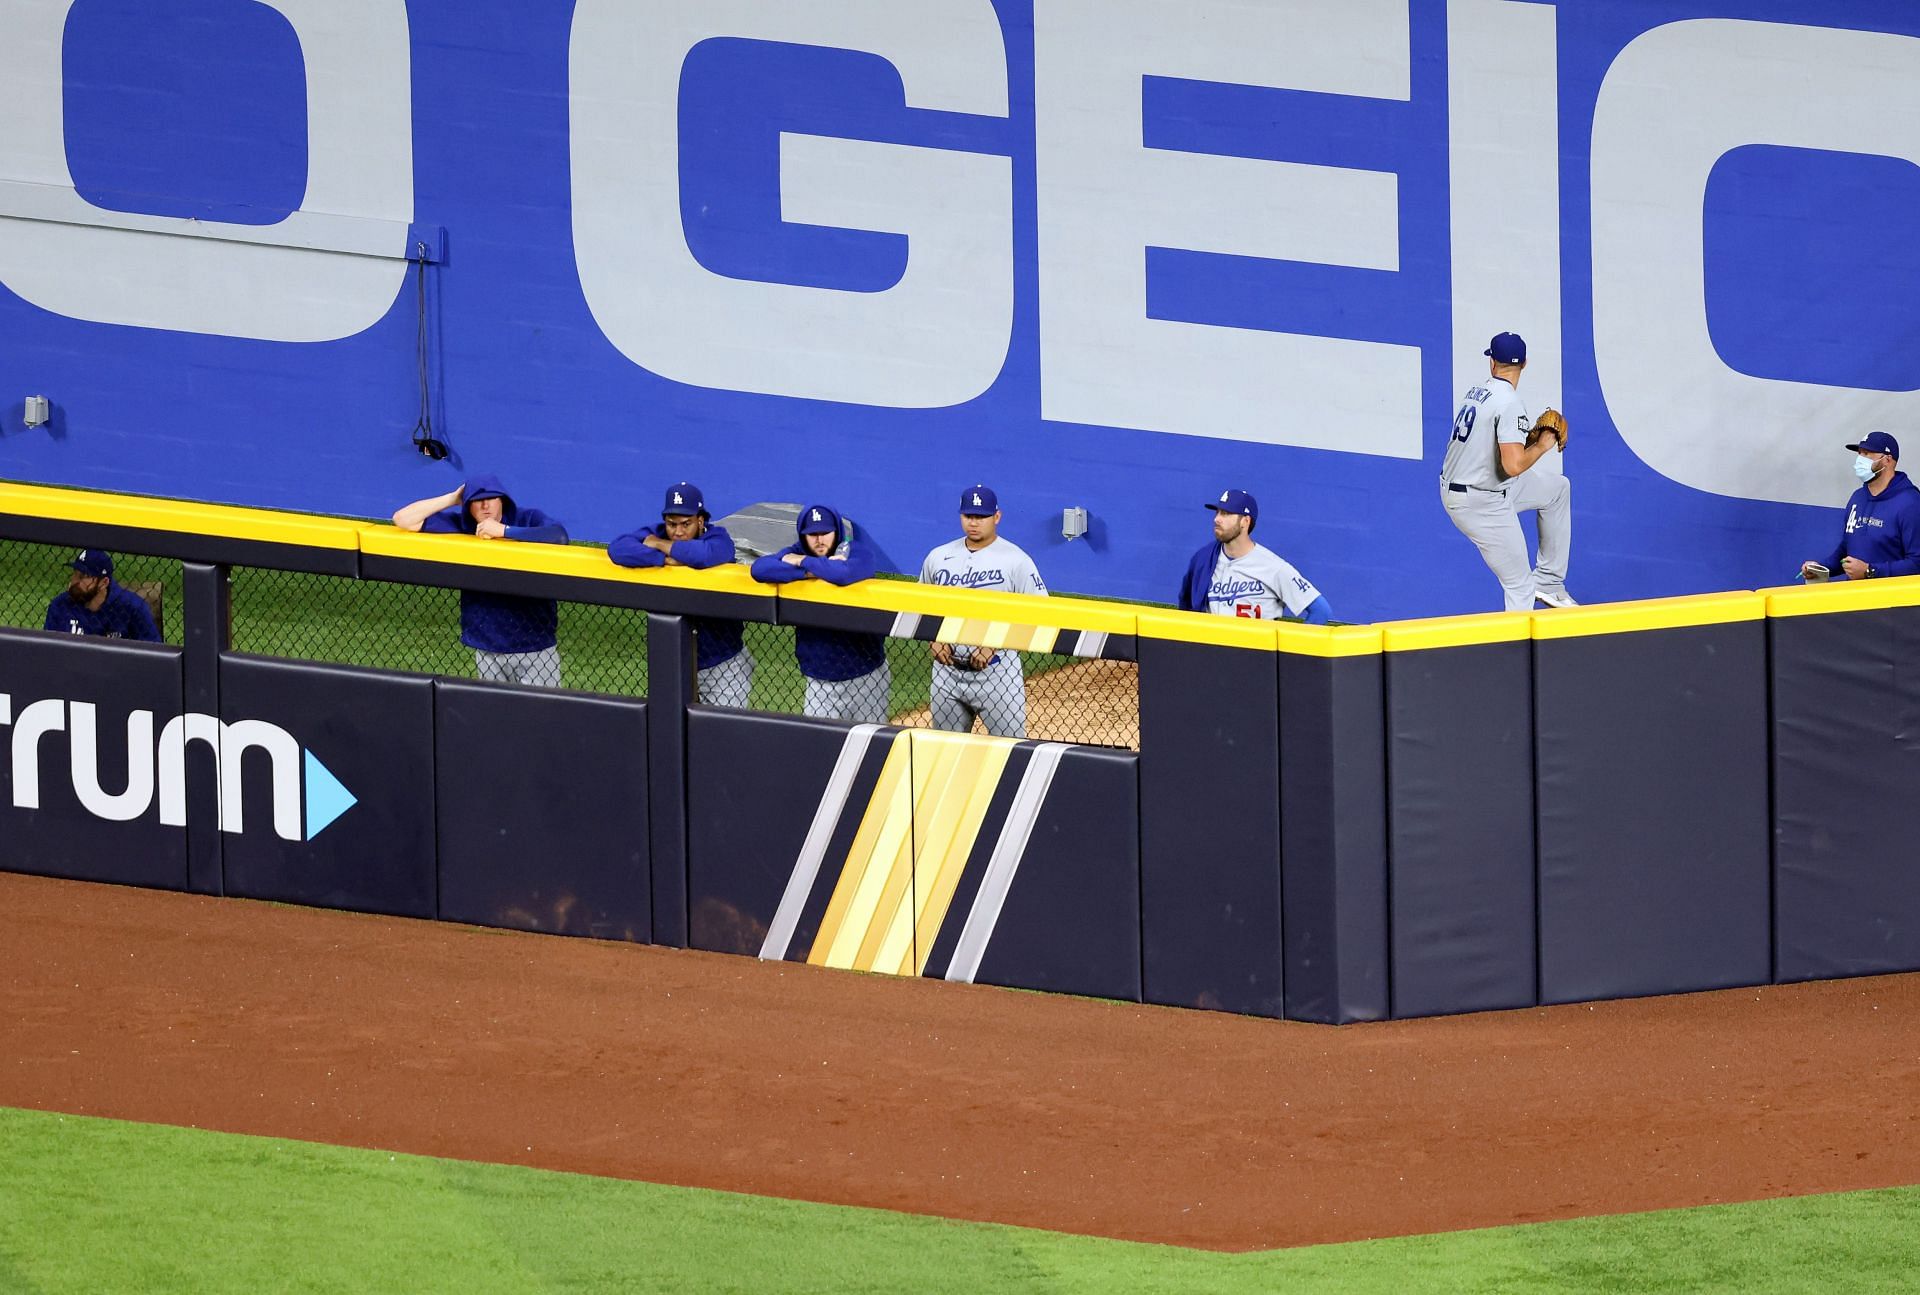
(327, 799)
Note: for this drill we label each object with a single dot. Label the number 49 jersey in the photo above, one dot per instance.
(1490, 415)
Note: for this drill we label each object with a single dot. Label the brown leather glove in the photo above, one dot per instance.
(1551, 422)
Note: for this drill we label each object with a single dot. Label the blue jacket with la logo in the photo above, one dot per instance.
(1883, 532)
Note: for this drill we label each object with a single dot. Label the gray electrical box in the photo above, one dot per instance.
(36, 411)
(1073, 523)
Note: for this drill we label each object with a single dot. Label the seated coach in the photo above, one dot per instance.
(93, 604)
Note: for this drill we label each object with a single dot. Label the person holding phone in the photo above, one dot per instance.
(1881, 536)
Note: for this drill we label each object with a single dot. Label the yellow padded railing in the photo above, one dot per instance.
(181, 516)
(961, 605)
(549, 559)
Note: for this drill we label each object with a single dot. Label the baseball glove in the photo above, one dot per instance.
(1551, 422)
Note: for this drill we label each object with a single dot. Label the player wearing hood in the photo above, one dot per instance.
(687, 537)
(1881, 536)
(514, 639)
(847, 675)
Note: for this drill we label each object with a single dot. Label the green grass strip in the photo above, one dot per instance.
(98, 1205)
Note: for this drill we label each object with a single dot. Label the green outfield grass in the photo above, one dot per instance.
(405, 627)
(96, 1205)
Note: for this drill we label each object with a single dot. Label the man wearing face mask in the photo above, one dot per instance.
(1882, 534)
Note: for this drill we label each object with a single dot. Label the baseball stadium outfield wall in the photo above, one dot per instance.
(1324, 824)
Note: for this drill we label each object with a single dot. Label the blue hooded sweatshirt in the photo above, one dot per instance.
(714, 640)
(831, 656)
(503, 622)
(1882, 532)
(124, 615)
(1193, 589)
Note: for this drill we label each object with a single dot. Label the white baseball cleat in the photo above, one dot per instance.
(1555, 597)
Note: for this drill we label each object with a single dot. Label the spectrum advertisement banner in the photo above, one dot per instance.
(1111, 254)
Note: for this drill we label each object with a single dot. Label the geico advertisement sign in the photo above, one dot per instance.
(1067, 166)
(157, 763)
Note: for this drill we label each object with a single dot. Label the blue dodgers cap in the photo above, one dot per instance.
(1876, 443)
(1236, 501)
(92, 562)
(1507, 348)
(683, 500)
(978, 501)
(819, 520)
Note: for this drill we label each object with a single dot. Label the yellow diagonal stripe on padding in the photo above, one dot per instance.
(1017, 635)
(954, 778)
(882, 847)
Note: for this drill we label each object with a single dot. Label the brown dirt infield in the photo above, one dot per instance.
(1115, 1120)
(1083, 701)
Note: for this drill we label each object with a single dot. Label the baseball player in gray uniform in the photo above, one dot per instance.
(1485, 483)
(970, 681)
(1233, 576)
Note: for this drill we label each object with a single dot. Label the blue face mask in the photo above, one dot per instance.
(1863, 467)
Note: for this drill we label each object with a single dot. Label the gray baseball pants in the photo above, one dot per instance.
(535, 669)
(1490, 518)
(998, 695)
(862, 700)
(730, 683)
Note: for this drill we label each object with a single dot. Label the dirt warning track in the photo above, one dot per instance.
(1145, 1123)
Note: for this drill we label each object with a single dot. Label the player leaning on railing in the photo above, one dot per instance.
(847, 676)
(514, 639)
(688, 537)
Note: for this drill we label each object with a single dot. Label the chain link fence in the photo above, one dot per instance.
(875, 679)
(533, 641)
(591, 648)
(39, 589)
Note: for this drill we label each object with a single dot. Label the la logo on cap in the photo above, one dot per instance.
(676, 498)
(816, 515)
(976, 496)
(1223, 496)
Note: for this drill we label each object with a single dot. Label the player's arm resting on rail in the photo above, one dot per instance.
(535, 527)
(856, 565)
(631, 550)
(714, 549)
(414, 516)
(774, 569)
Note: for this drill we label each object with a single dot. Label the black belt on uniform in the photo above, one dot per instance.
(1459, 489)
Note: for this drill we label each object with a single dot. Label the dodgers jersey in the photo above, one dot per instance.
(1490, 416)
(1259, 585)
(1001, 565)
